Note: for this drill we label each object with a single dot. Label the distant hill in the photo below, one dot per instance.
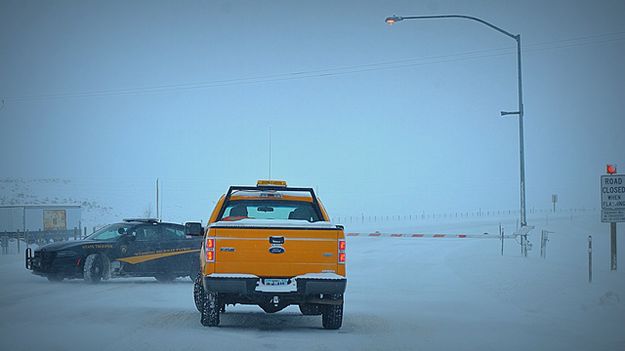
(51, 191)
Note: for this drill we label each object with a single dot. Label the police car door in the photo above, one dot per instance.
(144, 250)
(181, 252)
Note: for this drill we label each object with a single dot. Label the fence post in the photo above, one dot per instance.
(4, 239)
(590, 258)
(18, 241)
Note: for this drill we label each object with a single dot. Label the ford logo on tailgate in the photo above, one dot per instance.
(276, 249)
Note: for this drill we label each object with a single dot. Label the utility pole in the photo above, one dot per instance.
(554, 199)
(157, 198)
(525, 229)
(269, 153)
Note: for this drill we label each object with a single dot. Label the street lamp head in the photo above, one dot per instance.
(393, 19)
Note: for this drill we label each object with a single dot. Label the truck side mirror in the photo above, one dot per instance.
(193, 229)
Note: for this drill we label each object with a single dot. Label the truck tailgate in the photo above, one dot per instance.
(269, 252)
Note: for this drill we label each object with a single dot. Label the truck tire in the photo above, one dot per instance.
(93, 270)
(198, 292)
(310, 309)
(210, 310)
(332, 316)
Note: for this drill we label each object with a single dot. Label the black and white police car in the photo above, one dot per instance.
(132, 248)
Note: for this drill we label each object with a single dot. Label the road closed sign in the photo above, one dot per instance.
(613, 198)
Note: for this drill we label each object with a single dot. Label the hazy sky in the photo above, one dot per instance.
(381, 119)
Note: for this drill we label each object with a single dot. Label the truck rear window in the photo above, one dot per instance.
(270, 209)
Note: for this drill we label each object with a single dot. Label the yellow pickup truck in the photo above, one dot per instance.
(273, 246)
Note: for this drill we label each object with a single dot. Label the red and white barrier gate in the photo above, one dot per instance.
(418, 235)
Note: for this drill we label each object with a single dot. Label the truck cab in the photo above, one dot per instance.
(273, 246)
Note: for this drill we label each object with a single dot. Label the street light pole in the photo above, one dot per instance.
(517, 38)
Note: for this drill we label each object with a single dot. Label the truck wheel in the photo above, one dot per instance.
(332, 316)
(309, 309)
(198, 292)
(210, 310)
(55, 278)
(94, 269)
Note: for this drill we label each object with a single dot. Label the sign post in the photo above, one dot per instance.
(590, 258)
(613, 208)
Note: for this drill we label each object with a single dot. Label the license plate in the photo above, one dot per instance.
(276, 281)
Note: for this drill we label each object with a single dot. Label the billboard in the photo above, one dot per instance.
(54, 220)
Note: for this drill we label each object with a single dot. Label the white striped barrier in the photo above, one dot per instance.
(418, 235)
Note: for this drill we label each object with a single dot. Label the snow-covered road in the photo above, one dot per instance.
(403, 294)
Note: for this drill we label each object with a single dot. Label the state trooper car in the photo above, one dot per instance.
(132, 248)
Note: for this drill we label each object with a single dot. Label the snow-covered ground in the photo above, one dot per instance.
(403, 294)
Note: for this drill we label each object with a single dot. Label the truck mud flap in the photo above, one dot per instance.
(321, 286)
(230, 285)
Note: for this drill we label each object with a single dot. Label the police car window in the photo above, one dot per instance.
(109, 232)
(146, 233)
(173, 233)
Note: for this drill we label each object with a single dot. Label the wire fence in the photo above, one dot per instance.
(423, 216)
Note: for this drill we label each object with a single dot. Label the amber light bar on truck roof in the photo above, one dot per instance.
(271, 183)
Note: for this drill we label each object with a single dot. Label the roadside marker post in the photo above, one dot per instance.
(590, 258)
(501, 235)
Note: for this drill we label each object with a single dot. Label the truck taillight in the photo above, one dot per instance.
(342, 247)
(342, 257)
(209, 247)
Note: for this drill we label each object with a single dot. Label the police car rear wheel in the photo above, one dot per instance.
(93, 270)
